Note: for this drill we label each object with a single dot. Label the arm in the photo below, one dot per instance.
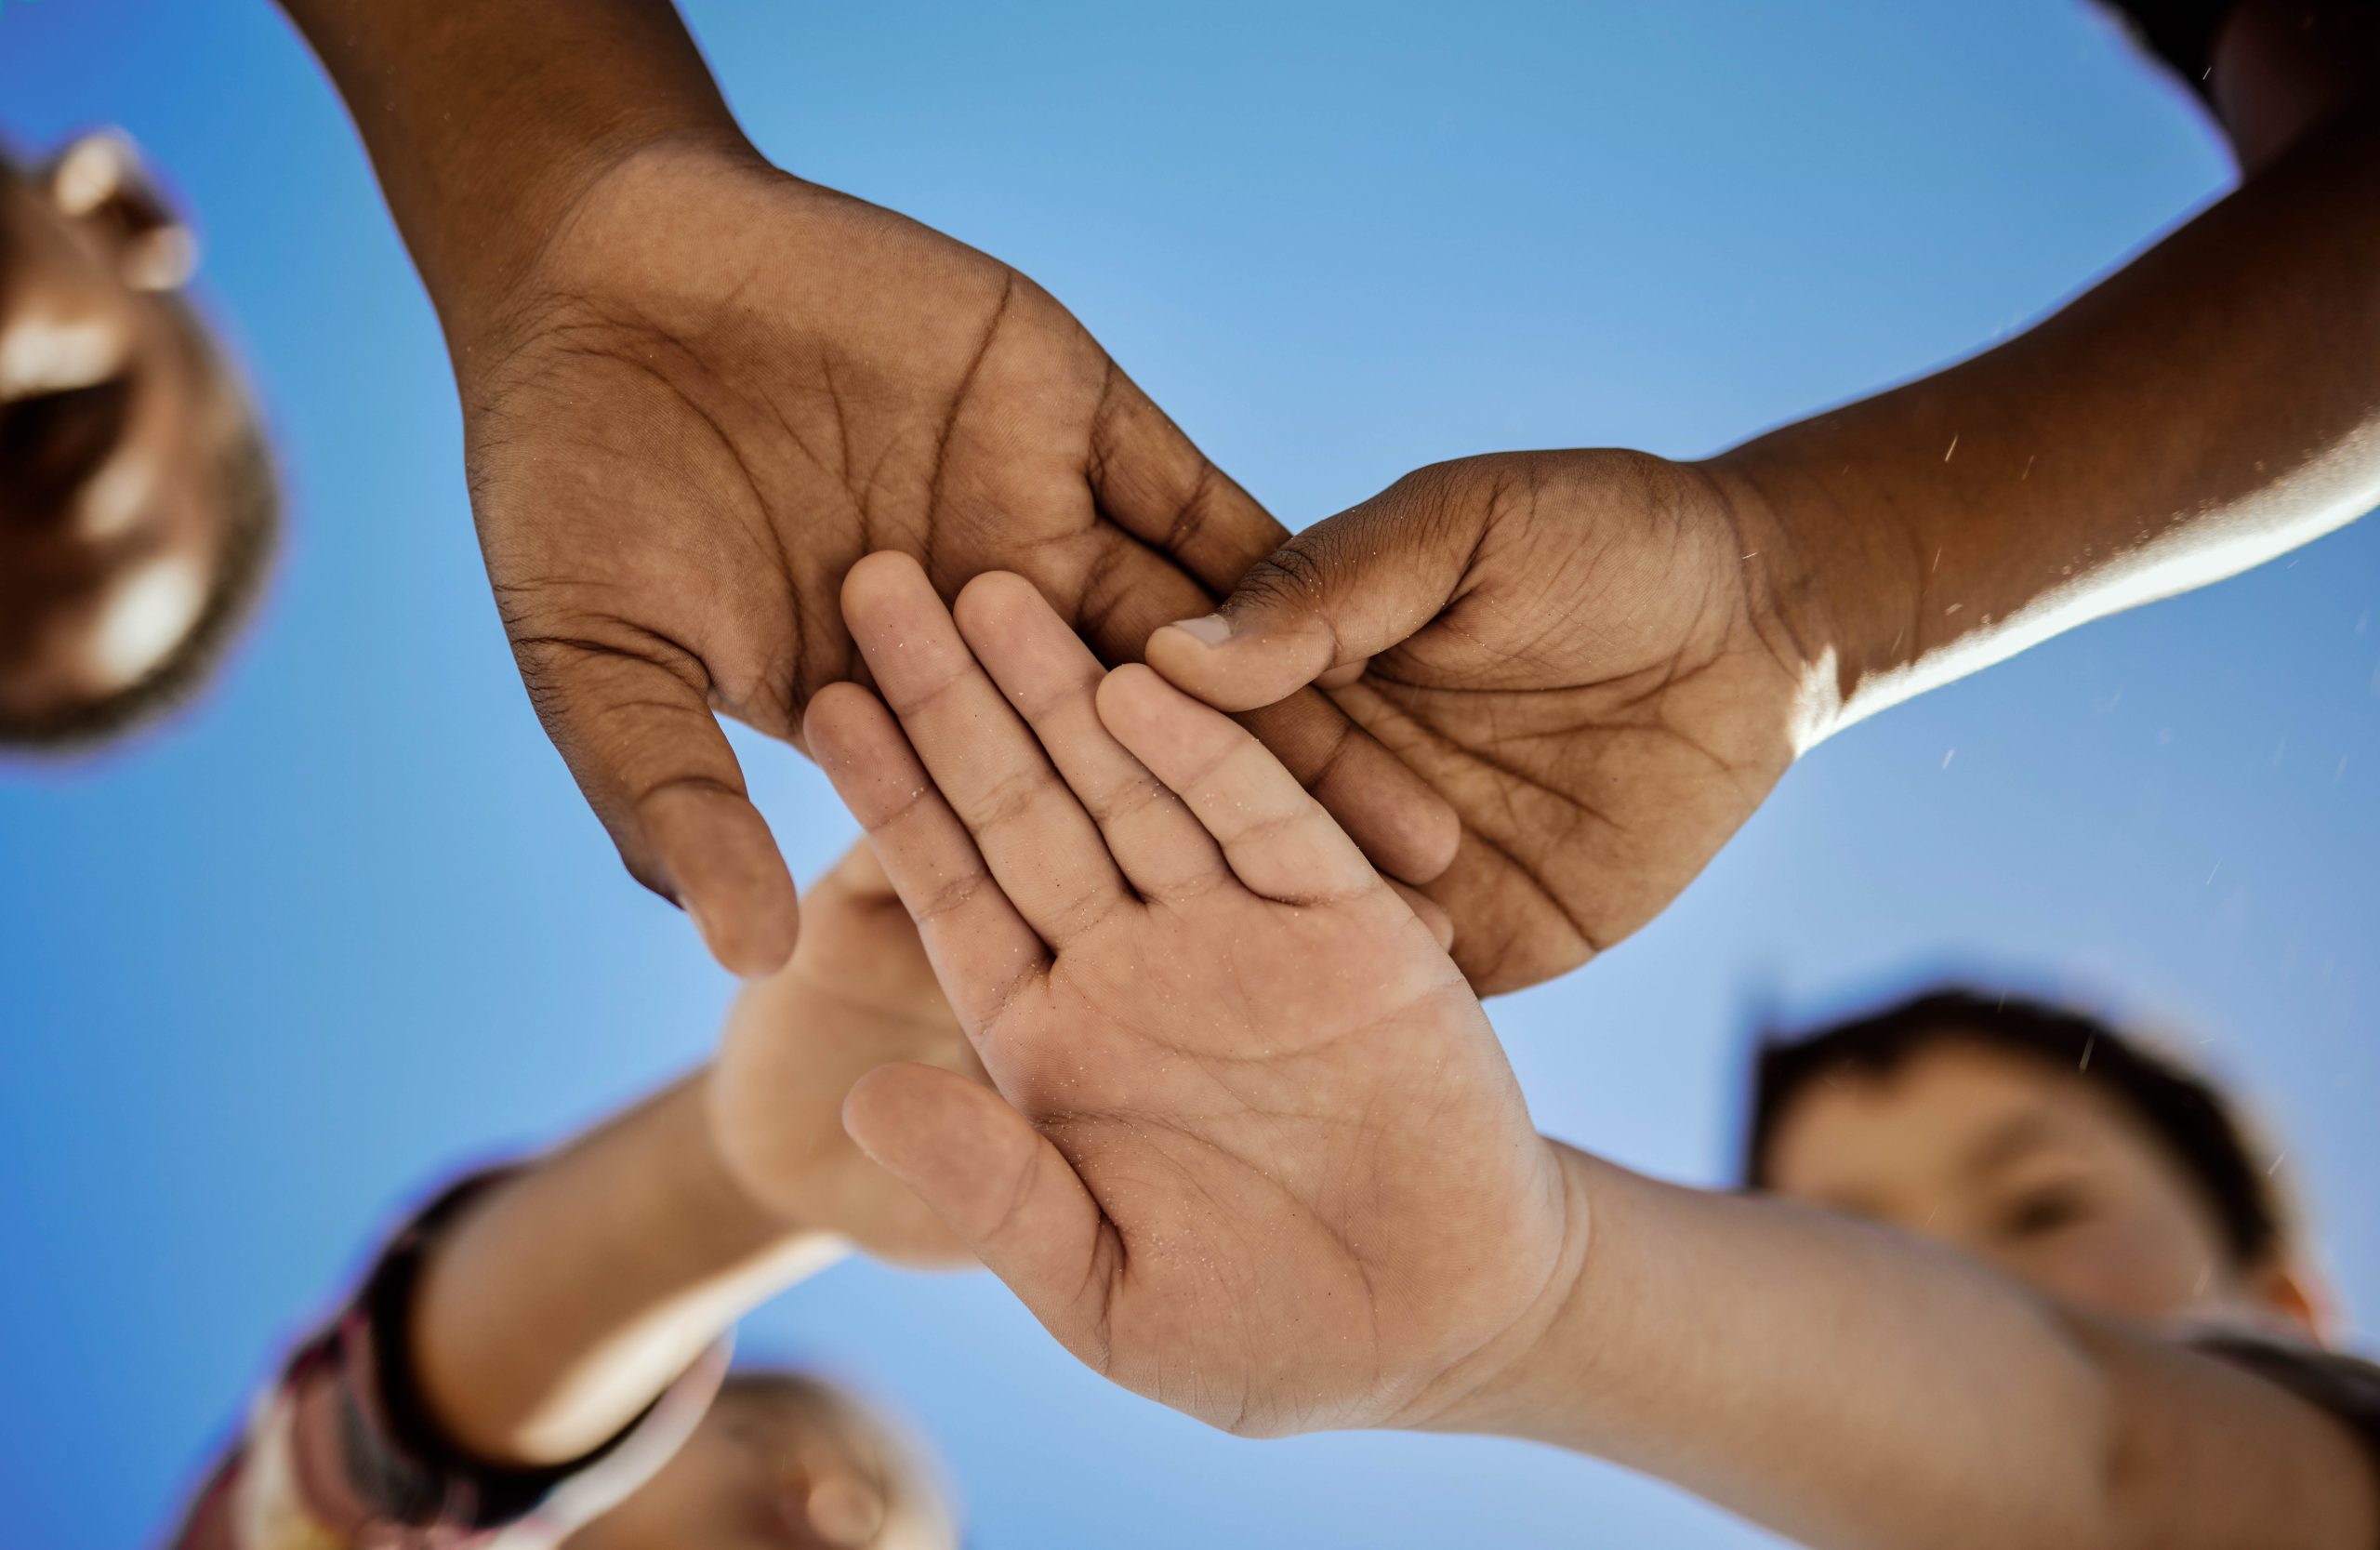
(696, 389)
(485, 121)
(2215, 404)
(1251, 1148)
(1852, 1387)
(1605, 660)
(562, 1303)
(511, 1335)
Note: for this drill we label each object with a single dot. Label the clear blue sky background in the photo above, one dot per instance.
(265, 978)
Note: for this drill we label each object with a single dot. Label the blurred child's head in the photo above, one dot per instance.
(2041, 1141)
(137, 503)
(783, 1462)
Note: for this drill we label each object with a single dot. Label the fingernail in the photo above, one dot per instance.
(1211, 629)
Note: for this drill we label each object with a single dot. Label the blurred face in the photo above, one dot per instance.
(2035, 1173)
(112, 508)
(770, 1472)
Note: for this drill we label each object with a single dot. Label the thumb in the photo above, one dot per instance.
(646, 751)
(997, 1184)
(1318, 607)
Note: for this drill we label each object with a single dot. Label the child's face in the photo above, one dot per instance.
(2039, 1175)
(111, 519)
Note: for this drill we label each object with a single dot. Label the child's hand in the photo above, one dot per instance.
(1259, 1155)
(1604, 660)
(858, 993)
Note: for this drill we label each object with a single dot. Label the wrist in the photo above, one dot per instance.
(1840, 574)
(1500, 1389)
(487, 123)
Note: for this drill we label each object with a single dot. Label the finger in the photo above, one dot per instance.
(1405, 827)
(1051, 679)
(1344, 590)
(999, 1186)
(1048, 856)
(1154, 483)
(860, 872)
(1280, 843)
(1429, 911)
(642, 741)
(983, 950)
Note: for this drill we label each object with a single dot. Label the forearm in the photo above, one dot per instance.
(484, 120)
(558, 1308)
(1852, 1387)
(2213, 404)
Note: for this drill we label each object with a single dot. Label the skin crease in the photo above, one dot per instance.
(109, 433)
(2038, 1175)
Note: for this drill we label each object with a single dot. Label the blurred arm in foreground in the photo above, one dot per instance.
(541, 1355)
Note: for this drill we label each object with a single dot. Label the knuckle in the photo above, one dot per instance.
(1292, 576)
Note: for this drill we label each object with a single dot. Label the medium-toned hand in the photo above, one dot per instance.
(711, 390)
(1255, 1151)
(859, 993)
(1600, 658)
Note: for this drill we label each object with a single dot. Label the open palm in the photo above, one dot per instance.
(714, 389)
(1234, 1069)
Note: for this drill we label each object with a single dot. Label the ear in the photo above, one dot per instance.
(101, 182)
(2298, 1296)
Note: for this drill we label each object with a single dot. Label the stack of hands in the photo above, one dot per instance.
(1155, 990)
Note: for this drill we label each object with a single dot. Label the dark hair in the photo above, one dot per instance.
(2186, 1114)
(251, 496)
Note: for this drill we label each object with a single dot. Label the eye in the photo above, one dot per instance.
(2045, 1210)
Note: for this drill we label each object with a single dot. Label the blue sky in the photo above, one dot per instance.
(267, 977)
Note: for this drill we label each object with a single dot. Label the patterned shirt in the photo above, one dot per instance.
(340, 1454)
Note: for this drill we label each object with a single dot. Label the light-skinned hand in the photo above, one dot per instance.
(857, 994)
(1254, 1150)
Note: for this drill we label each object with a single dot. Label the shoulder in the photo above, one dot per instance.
(2345, 1387)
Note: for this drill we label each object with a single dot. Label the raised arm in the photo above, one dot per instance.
(1605, 660)
(2215, 404)
(694, 390)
